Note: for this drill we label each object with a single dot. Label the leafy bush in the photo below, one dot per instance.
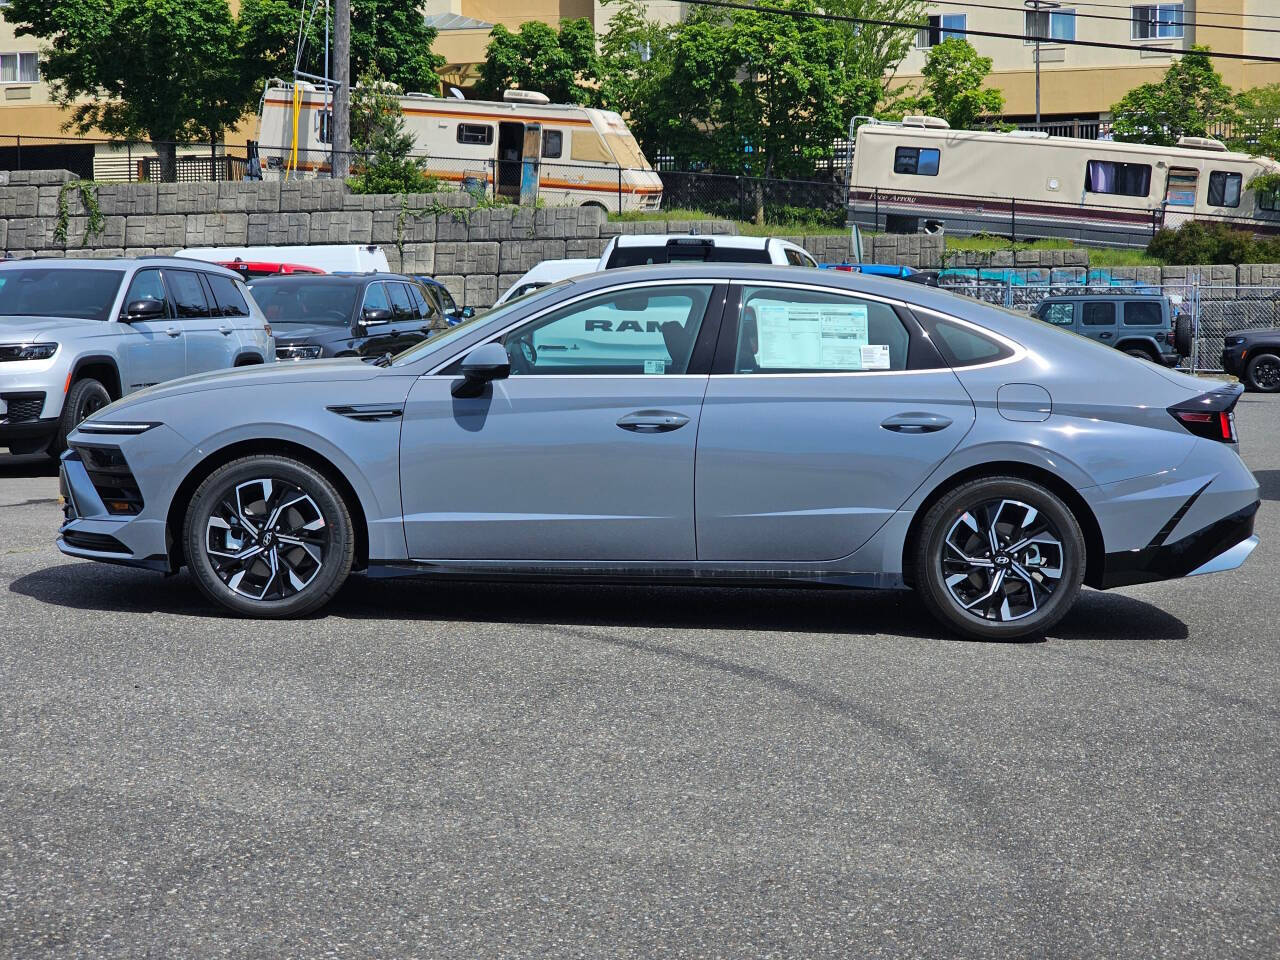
(378, 135)
(1198, 242)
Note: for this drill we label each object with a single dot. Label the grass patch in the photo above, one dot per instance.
(1098, 256)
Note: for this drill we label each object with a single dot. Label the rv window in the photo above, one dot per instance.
(1224, 189)
(480, 134)
(1267, 200)
(1098, 314)
(1123, 179)
(1142, 313)
(587, 147)
(552, 144)
(919, 161)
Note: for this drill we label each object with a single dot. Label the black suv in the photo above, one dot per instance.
(344, 315)
(1254, 357)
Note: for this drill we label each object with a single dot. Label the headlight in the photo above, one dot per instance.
(27, 351)
(305, 352)
(1233, 341)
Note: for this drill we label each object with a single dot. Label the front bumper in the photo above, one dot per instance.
(27, 430)
(1222, 545)
(1233, 361)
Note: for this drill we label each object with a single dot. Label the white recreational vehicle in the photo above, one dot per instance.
(577, 156)
(920, 174)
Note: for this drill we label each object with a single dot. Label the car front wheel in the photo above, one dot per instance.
(999, 559)
(269, 536)
(1263, 373)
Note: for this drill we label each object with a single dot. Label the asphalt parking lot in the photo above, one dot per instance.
(532, 771)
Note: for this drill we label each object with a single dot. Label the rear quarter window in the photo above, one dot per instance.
(1143, 314)
(963, 346)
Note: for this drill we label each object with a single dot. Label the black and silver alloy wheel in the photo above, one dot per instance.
(269, 536)
(999, 558)
(1002, 560)
(267, 539)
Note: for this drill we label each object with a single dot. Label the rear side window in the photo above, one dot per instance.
(781, 330)
(920, 161)
(401, 308)
(1059, 314)
(1098, 314)
(1122, 179)
(962, 346)
(1140, 314)
(188, 294)
(423, 308)
(479, 134)
(230, 301)
(1224, 189)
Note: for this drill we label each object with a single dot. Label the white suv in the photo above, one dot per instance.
(77, 334)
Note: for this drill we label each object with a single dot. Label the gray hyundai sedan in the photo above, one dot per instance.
(702, 423)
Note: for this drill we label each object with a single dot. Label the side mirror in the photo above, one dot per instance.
(487, 362)
(467, 312)
(373, 316)
(144, 310)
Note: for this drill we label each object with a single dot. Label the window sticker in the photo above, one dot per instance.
(815, 336)
(655, 366)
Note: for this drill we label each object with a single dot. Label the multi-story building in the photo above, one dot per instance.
(1079, 82)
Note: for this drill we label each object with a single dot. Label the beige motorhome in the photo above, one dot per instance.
(921, 175)
(581, 156)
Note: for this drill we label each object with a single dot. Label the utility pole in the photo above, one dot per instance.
(342, 91)
(1036, 6)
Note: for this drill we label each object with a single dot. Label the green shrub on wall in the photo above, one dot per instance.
(1198, 243)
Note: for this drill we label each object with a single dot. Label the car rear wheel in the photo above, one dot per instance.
(85, 398)
(269, 536)
(999, 558)
(1141, 354)
(1263, 373)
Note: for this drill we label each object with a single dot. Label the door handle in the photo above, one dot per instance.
(916, 422)
(1104, 336)
(174, 332)
(653, 421)
(225, 331)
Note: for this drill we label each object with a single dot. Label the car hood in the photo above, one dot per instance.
(287, 332)
(1264, 333)
(32, 329)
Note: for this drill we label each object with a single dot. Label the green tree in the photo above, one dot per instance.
(1258, 127)
(875, 51)
(159, 70)
(634, 66)
(1190, 97)
(952, 88)
(562, 64)
(379, 136)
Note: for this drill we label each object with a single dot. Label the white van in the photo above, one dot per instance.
(331, 258)
(574, 156)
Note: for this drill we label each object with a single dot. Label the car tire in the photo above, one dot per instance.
(1183, 335)
(1262, 373)
(1141, 354)
(85, 398)
(268, 537)
(964, 583)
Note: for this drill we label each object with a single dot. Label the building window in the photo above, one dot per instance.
(1051, 24)
(1157, 21)
(941, 28)
(1122, 179)
(552, 144)
(19, 68)
(1224, 189)
(477, 134)
(917, 161)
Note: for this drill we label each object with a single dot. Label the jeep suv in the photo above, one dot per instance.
(1142, 325)
(76, 334)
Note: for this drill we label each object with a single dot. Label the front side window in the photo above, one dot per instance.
(477, 134)
(375, 297)
(917, 161)
(1224, 189)
(146, 285)
(1157, 21)
(1121, 179)
(1059, 314)
(806, 331)
(645, 330)
(1098, 314)
(552, 144)
(187, 293)
(1138, 313)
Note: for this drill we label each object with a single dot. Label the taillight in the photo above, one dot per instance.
(1210, 415)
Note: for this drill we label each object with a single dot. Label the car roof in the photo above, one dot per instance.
(332, 277)
(120, 263)
(715, 239)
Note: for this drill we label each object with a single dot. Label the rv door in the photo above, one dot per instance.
(531, 162)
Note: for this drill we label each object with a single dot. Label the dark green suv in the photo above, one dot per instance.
(1142, 325)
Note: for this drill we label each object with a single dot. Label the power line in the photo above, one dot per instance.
(1069, 5)
(906, 25)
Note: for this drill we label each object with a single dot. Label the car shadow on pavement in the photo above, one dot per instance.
(1268, 484)
(1095, 615)
(28, 466)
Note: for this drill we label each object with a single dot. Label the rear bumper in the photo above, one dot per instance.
(1222, 545)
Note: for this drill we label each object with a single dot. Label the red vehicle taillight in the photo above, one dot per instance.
(1210, 415)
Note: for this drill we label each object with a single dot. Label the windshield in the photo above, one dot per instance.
(50, 292)
(323, 302)
(453, 334)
